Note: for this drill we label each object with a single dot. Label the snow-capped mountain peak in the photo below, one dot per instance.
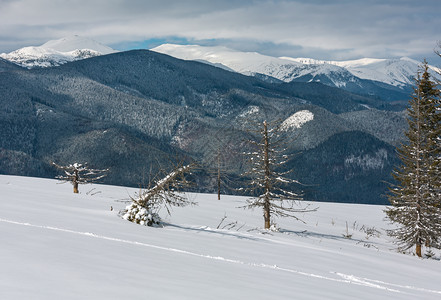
(57, 52)
(398, 72)
(251, 63)
(247, 63)
(344, 64)
(395, 71)
(75, 42)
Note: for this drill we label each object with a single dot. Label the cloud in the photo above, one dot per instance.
(331, 29)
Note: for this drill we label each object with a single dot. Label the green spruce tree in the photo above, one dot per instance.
(415, 199)
(437, 137)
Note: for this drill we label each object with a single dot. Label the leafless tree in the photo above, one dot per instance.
(219, 169)
(267, 182)
(78, 173)
(162, 193)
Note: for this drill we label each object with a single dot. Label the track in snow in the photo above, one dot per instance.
(382, 284)
(344, 278)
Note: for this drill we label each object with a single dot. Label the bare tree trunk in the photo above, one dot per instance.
(266, 214)
(418, 249)
(218, 176)
(266, 207)
(75, 182)
(162, 184)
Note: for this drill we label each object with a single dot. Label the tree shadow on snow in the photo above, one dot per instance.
(306, 233)
(214, 231)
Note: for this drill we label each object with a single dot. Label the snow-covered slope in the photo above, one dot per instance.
(251, 63)
(247, 63)
(60, 245)
(75, 42)
(397, 72)
(57, 52)
(297, 119)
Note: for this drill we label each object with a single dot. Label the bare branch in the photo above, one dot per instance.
(267, 180)
(162, 193)
(78, 173)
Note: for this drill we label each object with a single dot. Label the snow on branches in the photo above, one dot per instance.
(163, 193)
(77, 173)
(267, 181)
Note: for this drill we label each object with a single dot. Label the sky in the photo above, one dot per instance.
(320, 29)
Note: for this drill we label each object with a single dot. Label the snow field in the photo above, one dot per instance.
(297, 120)
(58, 245)
(397, 72)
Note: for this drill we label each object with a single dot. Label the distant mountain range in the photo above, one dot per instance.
(57, 52)
(389, 79)
(398, 72)
(134, 111)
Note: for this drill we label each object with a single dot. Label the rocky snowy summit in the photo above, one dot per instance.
(398, 72)
(57, 52)
(363, 76)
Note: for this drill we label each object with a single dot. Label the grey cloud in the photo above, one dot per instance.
(329, 29)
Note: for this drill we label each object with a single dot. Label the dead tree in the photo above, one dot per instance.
(162, 193)
(267, 181)
(220, 160)
(219, 169)
(77, 173)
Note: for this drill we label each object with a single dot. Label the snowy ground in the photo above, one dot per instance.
(59, 245)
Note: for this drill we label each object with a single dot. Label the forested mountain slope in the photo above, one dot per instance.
(133, 111)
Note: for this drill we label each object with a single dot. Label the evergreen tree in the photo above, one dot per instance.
(268, 183)
(437, 136)
(415, 200)
(431, 89)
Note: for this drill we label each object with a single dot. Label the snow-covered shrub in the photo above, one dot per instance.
(274, 227)
(140, 215)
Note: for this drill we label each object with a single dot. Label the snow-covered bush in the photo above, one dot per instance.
(140, 215)
(274, 227)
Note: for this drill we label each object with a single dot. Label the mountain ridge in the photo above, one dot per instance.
(370, 82)
(395, 75)
(396, 71)
(57, 52)
(132, 111)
